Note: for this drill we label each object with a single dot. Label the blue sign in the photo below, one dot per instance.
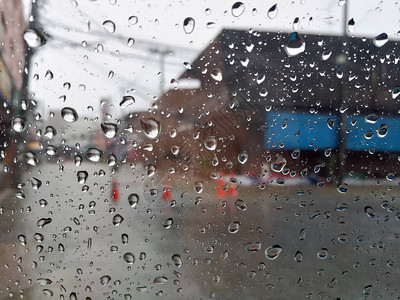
(303, 131)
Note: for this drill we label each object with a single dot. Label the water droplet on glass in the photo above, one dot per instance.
(298, 256)
(43, 221)
(295, 153)
(188, 25)
(369, 134)
(380, 40)
(395, 92)
(49, 75)
(390, 176)
(273, 11)
(242, 157)
(111, 160)
(342, 188)
(369, 211)
(323, 253)
(350, 25)
(341, 2)
(367, 290)
(326, 54)
(105, 279)
(19, 123)
(176, 258)
(237, 9)
(216, 74)
(371, 119)
(198, 186)
(253, 246)
(296, 23)
(94, 154)
(109, 129)
(109, 26)
(234, 227)
(43, 281)
(50, 132)
(382, 131)
(117, 220)
(133, 20)
(241, 205)
(33, 39)
(69, 114)
(168, 223)
(31, 158)
(295, 45)
(278, 164)
(133, 199)
(82, 176)
(273, 252)
(210, 143)
(129, 258)
(160, 280)
(151, 170)
(130, 42)
(36, 183)
(151, 127)
(330, 123)
(126, 101)
(22, 239)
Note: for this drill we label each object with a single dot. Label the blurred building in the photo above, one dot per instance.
(256, 96)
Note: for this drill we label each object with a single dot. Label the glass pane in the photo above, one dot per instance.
(194, 150)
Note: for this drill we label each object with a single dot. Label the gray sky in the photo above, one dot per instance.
(160, 26)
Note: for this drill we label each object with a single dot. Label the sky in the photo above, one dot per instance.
(100, 64)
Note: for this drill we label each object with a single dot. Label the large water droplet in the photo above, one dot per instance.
(176, 258)
(295, 45)
(105, 279)
(210, 143)
(273, 252)
(31, 158)
(241, 205)
(350, 25)
(323, 253)
(371, 119)
(50, 132)
(82, 176)
(109, 129)
(69, 114)
(198, 186)
(243, 157)
(237, 9)
(22, 239)
(369, 211)
(19, 123)
(151, 127)
(273, 11)
(188, 25)
(395, 92)
(253, 246)
(382, 131)
(380, 40)
(133, 20)
(126, 101)
(234, 227)
(278, 164)
(36, 183)
(216, 74)
(94, 154)
(33, 39)
(367, 290)
(43, 281)
(168, 223)
(43, 221)
(117, 220)
(111, 160)
(109, 26)
(160, 280)
(129, 258)
(298, 256)
(133, 199)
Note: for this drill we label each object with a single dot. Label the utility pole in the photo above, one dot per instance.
(341, 59)
(163, 54)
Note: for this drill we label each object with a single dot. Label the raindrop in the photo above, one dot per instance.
(371, 119)
(31, 158)
(168, 223)
(126, 101)
(133, 20)
(330, 123)
(242, 157)
(273, 252)
(298, 256)
(78, 160)
(234, 227)
(350, 25)
(216, 74)
(82, 176)
(151, 170)
(19, 123)
(130, 42)
(124, 238)
(129, 258)
(151, 127)
(237, 9)
(94, 154)
(342, 188)
(117, 220)
(22, 239)
(36, 183)
(49, 75)
(176, 258)
(323, 253)
(295, 153)
(69, 114)
(253, 246)
(369, 134)
(50, 132)
(111, 160)
(188, 25)
(367, 290)
(44, 221)
(296, 23)
(382, 131)
(395, 92)
(326, 54)
(380, 40)
(133, 199)
(160, 280)
(105, 279)
(390, 176)
(341, 2)
(198, 186)
(109, 26)
(241, 205)
(33, 39)
(278, 164)
(43, 281)
(369, 211)
(210, 143)
(109, 129)
(295, 45)
(273, 11)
